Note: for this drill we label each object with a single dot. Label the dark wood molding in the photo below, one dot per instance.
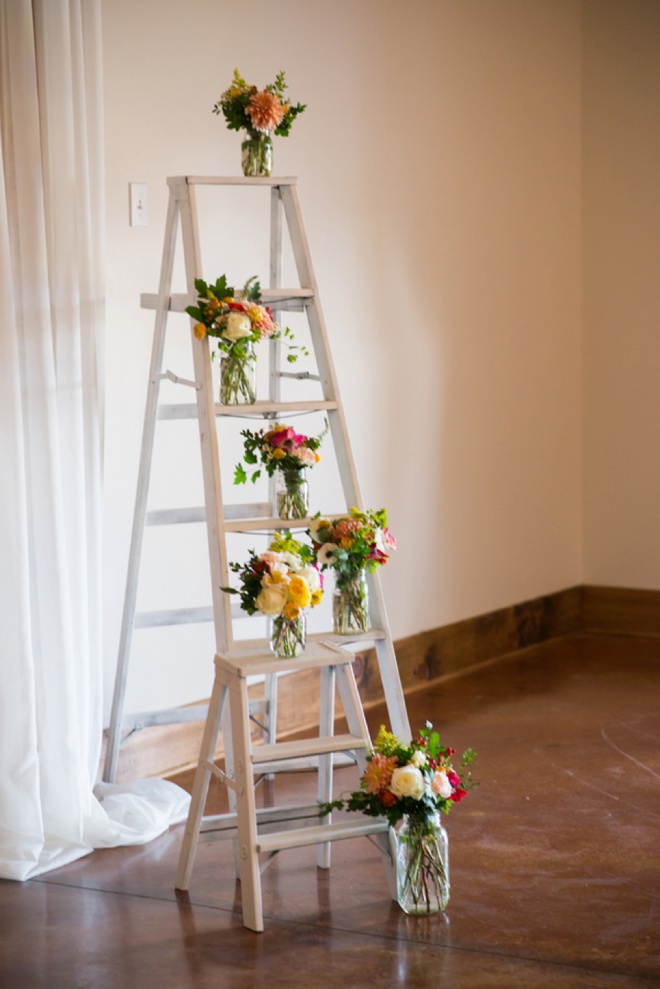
(426, 656)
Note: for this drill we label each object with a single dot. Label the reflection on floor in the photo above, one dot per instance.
(555, 862)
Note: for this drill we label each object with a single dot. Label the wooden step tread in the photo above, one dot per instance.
(320, 834)
(306, 747)
(186, 410)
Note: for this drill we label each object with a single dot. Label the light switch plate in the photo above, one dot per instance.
(138, 204)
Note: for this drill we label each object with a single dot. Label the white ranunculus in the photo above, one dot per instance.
(311, 576)
(238, 327)
(271, 599)
(440, 785)
(419, 758)
(282, 569)
(407, 781)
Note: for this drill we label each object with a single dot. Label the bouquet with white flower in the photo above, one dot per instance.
(413, 782)
(281, 584)
(237, 324)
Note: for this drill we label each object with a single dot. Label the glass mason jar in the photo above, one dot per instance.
(257, 154)
(291, 494)
(422, 867)
(350, 604)
(288, 635)
(238, 375)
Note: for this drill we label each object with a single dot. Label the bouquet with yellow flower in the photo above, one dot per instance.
(288, 454)
(261, 113)
(412, 783)
(237, 324)
(352, 545)
(281, 584)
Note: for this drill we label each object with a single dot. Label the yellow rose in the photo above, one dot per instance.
(291, 611)
(199, 330)
(299, 592)
(271, 599)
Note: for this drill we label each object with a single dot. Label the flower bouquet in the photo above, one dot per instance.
(287, 454)
(261, 113)
(352, 546)
(237, 324)
(413, 783)
(281, 584)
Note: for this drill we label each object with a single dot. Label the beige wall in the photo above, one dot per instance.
(439, 171)
(621, 111)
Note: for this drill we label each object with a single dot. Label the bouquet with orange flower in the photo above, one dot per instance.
(352, 545)
(413, 783)
(261, 113)
(282, 450)
(237, 324)
(281, 584)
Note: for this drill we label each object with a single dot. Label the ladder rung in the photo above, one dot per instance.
(293, 299)
(306, 747)
(170, 716)
(303, 764)
(175, 616)
(218, 826)
(319, 834)
(257, 513)
(186, 410)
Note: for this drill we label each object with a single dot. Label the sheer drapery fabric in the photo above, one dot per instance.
(51, 322)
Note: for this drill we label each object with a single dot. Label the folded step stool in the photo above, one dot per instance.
(269, 830)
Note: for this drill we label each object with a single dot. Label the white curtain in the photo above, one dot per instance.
(51, 322)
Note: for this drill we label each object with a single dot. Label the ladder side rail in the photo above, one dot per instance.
(207, 430)
(336, 419)
(385, 651)
(140, 508)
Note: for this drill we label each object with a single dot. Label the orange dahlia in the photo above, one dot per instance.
(378, 773)
(265, 111)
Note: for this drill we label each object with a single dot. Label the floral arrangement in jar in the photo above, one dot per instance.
(282, 584)
(261, 113)
(351, 545)
(287, 455)
(237, 324)
(412, 784)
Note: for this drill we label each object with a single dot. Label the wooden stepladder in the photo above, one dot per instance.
(238, 659)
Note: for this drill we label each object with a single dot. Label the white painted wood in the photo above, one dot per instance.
(288, 299)
(326, 727)
(360, 828)
(306, 746)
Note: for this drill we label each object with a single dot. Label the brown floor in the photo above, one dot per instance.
(555, 862)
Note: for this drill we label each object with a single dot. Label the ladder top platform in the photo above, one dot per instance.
(270, 180)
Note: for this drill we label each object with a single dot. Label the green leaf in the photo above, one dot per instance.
(240, 477)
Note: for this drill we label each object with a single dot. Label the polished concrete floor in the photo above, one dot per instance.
(555, 862)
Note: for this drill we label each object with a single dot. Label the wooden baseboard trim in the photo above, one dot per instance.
(422, 658)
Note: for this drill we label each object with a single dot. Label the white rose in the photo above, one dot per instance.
(271, 599)
(407, 781)
(238, 326)
(440, 785)
(311, 576)
(419, 758)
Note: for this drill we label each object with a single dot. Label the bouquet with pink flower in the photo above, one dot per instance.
(413, 783)
(281, 584)
(289, 453)
(237, 324)
(352, 545)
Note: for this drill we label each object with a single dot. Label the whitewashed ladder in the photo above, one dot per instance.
(221, 519)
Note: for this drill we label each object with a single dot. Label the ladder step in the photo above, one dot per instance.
(258, 513)
(286, 299)
(320, 834)
(306, 747)
(276, 180)
(185, 410)
(181, 616)
(303, 764)
(170, 716)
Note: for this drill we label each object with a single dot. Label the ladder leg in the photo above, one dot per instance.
(246, 813)
(201, 786)
(326, 728)
(114, 731)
